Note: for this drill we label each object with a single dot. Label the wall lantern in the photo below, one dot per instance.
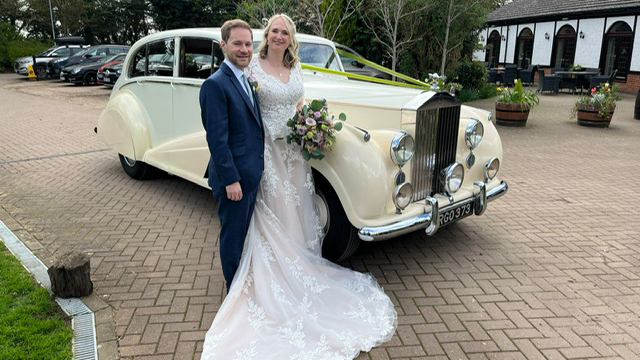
(546, 36)
(581, 34)
(503, 38)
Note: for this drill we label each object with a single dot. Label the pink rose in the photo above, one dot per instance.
(310, 122)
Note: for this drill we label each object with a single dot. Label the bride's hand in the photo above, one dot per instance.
(300, 104)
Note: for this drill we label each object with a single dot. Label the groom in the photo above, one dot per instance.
(232, 120)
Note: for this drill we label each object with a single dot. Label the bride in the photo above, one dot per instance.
(286, 302)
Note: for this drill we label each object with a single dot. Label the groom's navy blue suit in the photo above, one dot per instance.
(236, 141)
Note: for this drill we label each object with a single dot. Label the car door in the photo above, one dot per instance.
(198, 58)
(149, 80)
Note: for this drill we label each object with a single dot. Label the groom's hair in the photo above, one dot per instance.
(232, 24)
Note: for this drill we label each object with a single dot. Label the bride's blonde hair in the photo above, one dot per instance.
(291, 53)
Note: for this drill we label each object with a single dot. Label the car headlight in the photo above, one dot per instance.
(402, 195)
(119, 72)
(474, 133)
(491, 169)
(75, 70)
(402, 147)
(452, 177)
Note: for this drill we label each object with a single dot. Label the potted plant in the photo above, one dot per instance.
(576, 67)
(513, 106)
(597, 109)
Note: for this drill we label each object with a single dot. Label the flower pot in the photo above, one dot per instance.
(588, 115)
(511, 114)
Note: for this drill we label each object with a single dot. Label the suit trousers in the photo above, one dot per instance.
(235, 217)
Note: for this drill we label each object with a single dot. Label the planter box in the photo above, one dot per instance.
(587, 115)
(511, 114)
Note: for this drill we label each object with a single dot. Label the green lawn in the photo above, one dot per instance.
(31, 326)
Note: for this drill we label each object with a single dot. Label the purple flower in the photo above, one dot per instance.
(302, 131)
(317, 138)
(310, 122)
(317, 115)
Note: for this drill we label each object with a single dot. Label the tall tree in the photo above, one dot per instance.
(175, 14)
(328, 16)
(71, 16)
(392, 23)
(257, 12)
(455, 9)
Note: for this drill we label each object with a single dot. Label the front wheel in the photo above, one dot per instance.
(41, 72)
(90, 78)
(341, 238)
(137, 169)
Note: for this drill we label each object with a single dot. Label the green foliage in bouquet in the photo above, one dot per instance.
(313, 129)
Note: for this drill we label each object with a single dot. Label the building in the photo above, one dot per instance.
(561, 33)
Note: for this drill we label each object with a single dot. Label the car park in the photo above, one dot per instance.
(405, 160)
(91, 54)
(353, 66)
(87, 74)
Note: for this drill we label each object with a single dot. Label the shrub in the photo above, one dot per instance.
(487, 91)
(467, 95)
(13, 46)
(472, 75)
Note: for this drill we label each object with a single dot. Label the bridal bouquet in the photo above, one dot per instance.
(313, 128)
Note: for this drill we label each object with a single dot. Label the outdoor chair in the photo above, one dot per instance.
(548, 82)
(601, 79)
(509, 76)
(492, 77)
(527, 76)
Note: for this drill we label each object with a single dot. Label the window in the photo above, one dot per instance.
(564, 50)
(524, 48)
(75, 51)
(318, 55)
(493, 49)
(616, 52)
(199, 58)
(61, 52)
(160, 58)
(138, 65)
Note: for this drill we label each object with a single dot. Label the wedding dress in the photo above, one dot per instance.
(286, 302)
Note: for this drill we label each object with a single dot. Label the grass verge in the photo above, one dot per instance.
(31, 324)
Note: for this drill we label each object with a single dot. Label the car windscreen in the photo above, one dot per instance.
(47, 52)
(83, 51)
(314, 54)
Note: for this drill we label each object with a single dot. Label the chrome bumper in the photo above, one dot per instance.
(429, 221)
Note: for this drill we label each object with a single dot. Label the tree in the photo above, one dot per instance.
(392, 23)
(328, 16)
(175, 14)
(257, 12)
(456, 8)
(71, 15)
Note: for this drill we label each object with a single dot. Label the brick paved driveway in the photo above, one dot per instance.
(550, 272)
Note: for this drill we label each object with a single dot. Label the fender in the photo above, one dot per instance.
(125, 131)
(361, 173)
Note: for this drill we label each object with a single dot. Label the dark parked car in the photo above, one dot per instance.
(91, 54)
(87, 74)
(109, 63)
(355, 67)
(111, 74)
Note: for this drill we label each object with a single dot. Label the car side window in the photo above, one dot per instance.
(62, 52)
(138, 65)
(199, 58)
(160, 58)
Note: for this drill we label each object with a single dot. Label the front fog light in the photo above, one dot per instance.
(452, 178)
(402, 147)
(492, 168)
(473, 134)
(402, 196)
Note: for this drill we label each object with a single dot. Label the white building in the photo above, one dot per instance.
(560, 33)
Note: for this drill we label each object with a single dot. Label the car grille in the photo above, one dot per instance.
(436, 136)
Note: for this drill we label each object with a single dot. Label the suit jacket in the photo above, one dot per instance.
(235, 133)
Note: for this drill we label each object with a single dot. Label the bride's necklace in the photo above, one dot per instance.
(277, 70)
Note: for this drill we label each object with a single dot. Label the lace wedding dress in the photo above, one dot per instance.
(286, 302)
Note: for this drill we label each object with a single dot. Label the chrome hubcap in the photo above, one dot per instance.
(130, 162)
(322, 208)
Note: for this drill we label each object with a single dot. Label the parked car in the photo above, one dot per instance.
(111, 74)
(355, 67)
(87, 74)
(91, 54)
(107, 65)
(406, 159)
(62, 51)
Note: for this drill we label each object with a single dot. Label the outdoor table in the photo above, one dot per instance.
(576, 77)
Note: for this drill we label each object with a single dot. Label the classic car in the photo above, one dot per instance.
(87, 73)
(406, 159)
(355, 67)
(92, 54)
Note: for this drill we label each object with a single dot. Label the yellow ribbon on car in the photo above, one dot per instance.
(417, 84)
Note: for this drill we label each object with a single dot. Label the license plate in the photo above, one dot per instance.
(106, 79)
(61, 76)
(455, 214)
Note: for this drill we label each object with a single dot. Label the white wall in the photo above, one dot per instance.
(479, 55)
(503, 43)
(530, 26)
(635, 57)
(511, 44)
(588, 49)
(542, 47)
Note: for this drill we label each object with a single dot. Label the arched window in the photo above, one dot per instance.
(564, 47)
(616, 53)
(493, 49)
(524, 48)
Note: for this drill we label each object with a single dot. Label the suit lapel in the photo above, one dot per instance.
(227, 70)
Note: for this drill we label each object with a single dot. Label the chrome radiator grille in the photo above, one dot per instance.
(436, 142)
